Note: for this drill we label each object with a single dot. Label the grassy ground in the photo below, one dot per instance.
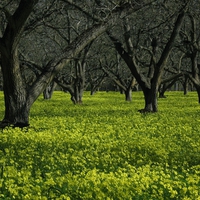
(104, 149)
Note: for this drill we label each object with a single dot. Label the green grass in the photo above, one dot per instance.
(104, 149)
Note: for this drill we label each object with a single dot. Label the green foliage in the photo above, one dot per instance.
(104, 149)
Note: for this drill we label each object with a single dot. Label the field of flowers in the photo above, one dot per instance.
(103, 150)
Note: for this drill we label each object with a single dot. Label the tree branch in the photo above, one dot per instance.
(55, 65)
(17, 21)
(170, 43)
(176, 76)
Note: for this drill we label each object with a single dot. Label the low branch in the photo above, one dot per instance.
(176, 76)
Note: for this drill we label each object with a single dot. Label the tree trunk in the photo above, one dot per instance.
(150, 97)
(92, 92)
(79, 83)
(93, 88)
(48, 92)
(17, 106)
(162, 90)
(78, 91)
(128, 94)
(128, 91)
(185, 85)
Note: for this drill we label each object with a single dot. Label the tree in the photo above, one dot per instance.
(95, 79)
(167, 84)
(172, 73)
(151, 82)
(76, 86)
(99, 52)
(119, 75)
(191, 49)
(18, 96)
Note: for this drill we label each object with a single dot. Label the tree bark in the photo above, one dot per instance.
(79, 82)
(48, 92)
(185, 85)
(17, 105)
(162, 90)
(150, 96)
(128, 94)
(128, 91)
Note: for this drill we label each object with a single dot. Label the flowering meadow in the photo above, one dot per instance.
(103, 150)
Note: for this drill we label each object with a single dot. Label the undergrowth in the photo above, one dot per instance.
(103, 149)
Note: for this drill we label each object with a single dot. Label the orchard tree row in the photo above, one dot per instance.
(78, 44)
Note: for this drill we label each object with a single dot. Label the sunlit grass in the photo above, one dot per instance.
(104, 149)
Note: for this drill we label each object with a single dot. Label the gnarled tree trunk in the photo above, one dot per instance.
(15, 93)
(17, 105)
(150, 97)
